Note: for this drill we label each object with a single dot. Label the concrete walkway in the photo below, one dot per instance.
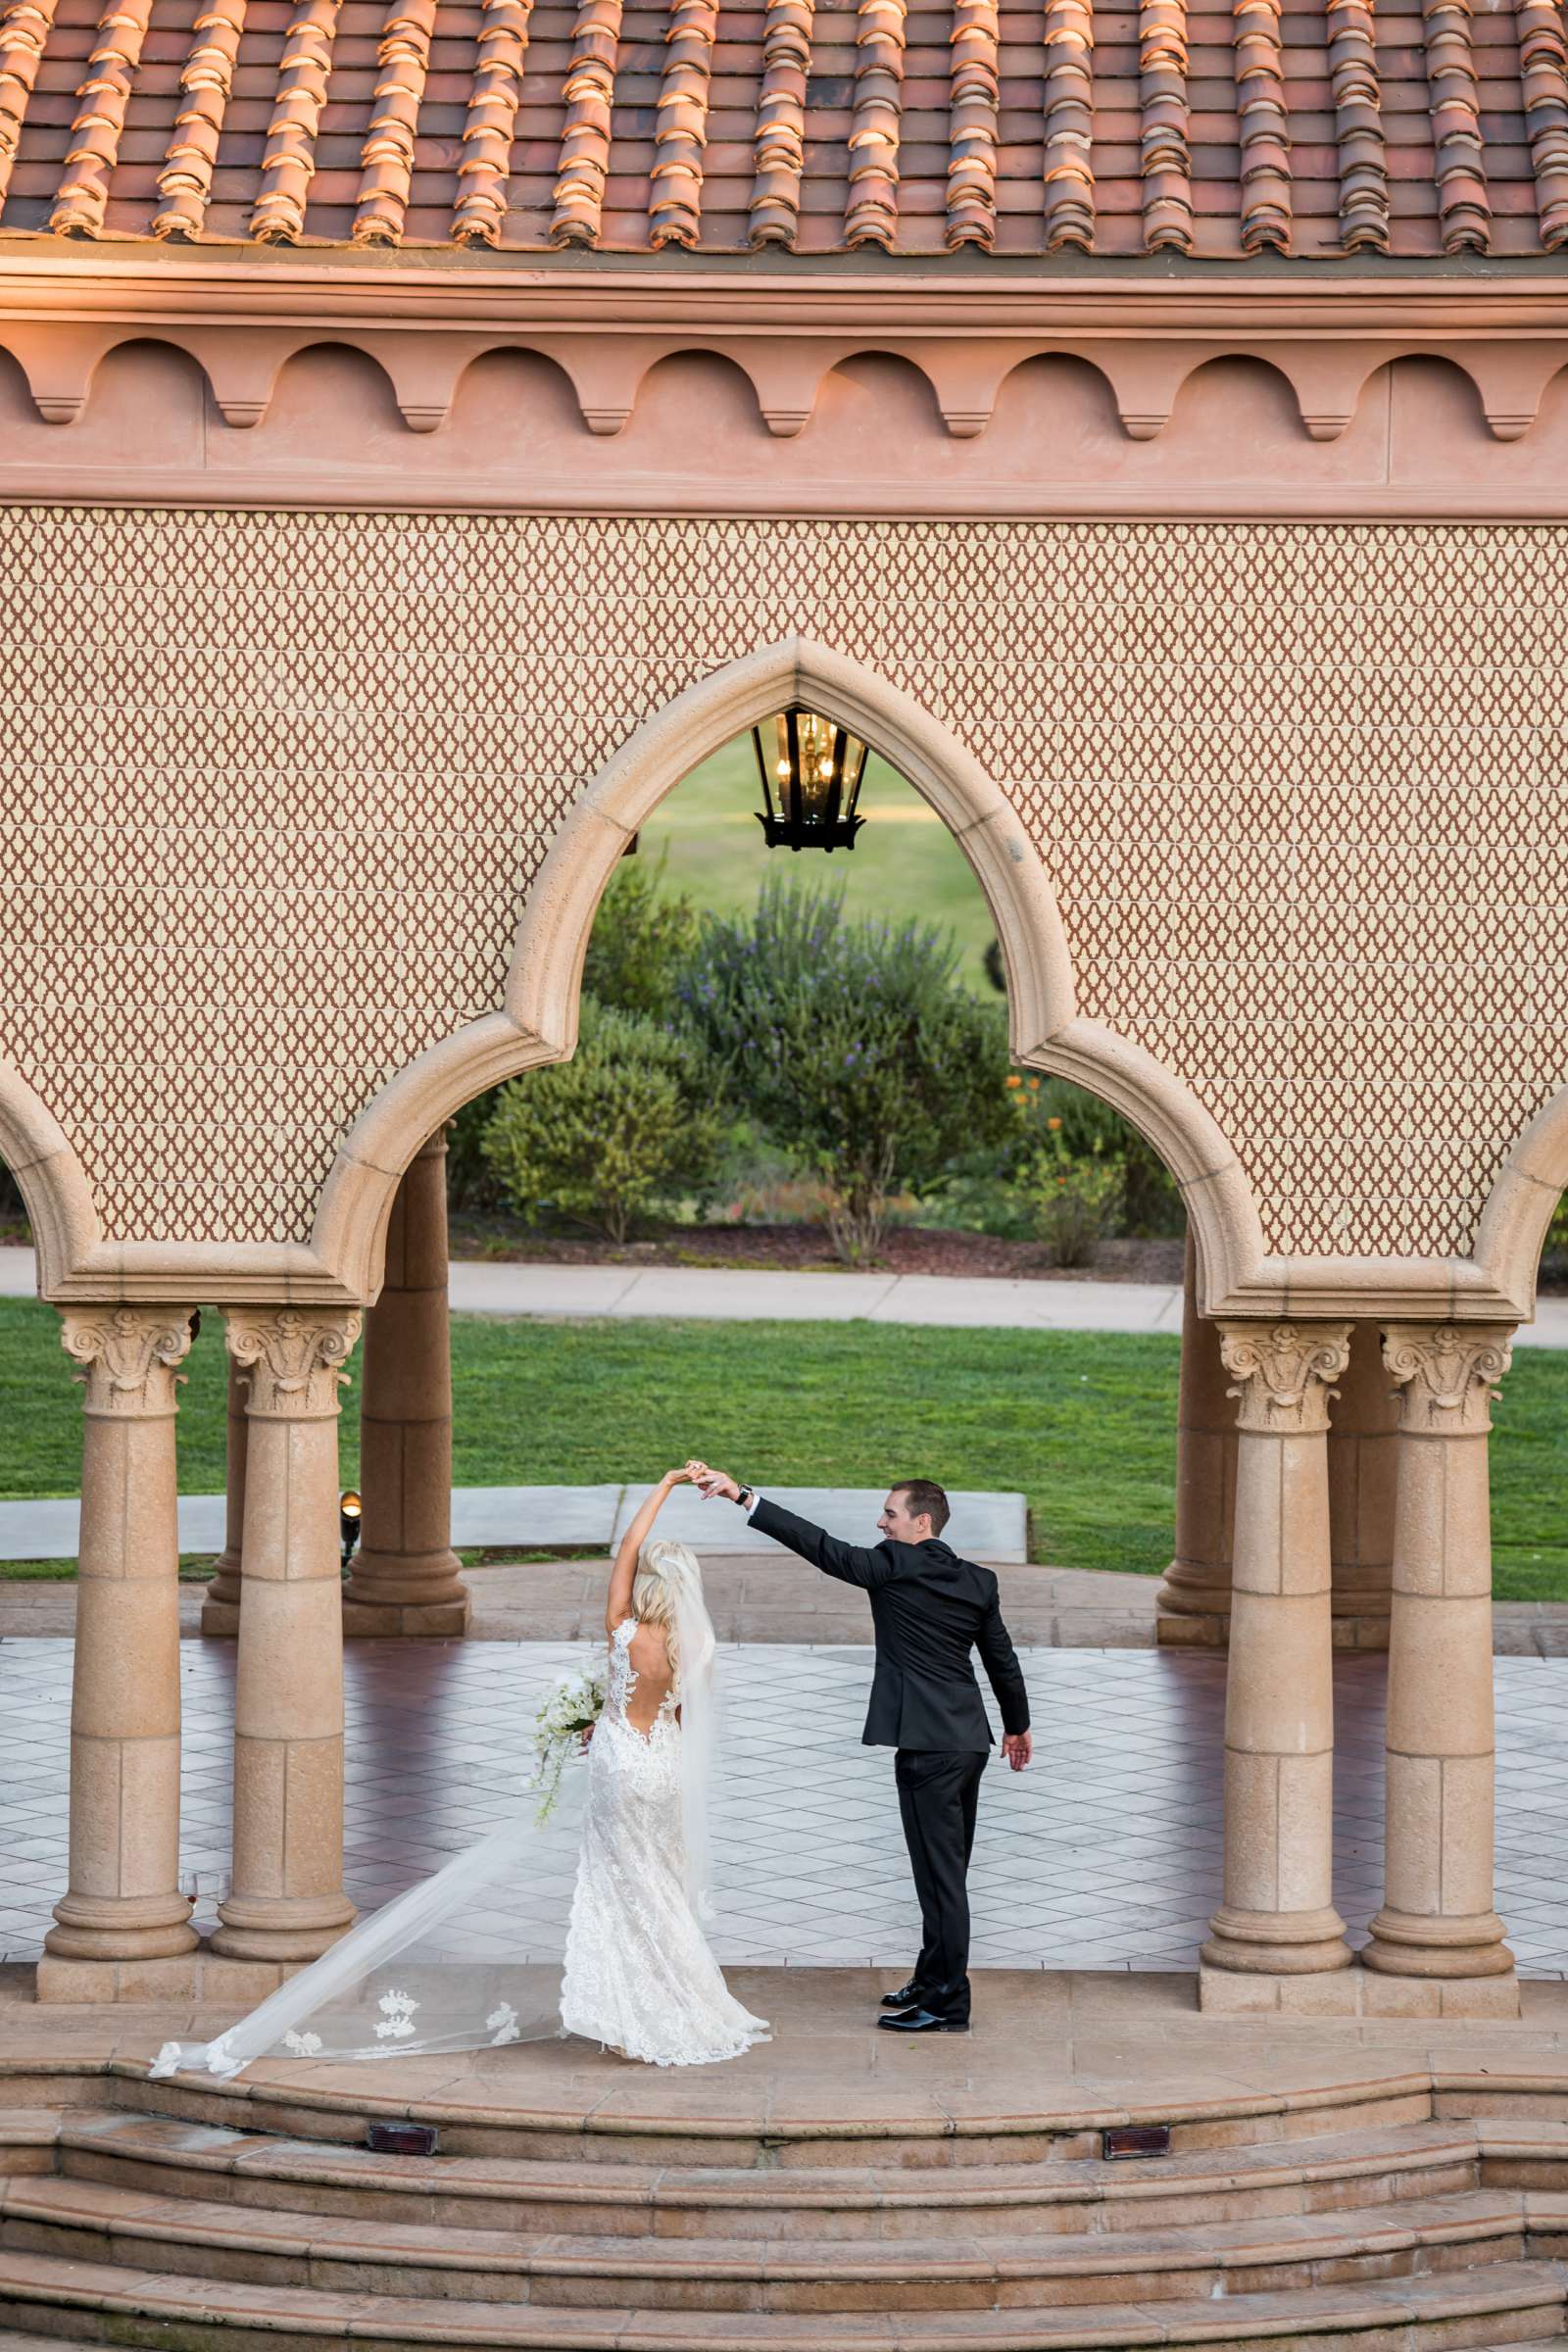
(984, 1527)
(723, 1294)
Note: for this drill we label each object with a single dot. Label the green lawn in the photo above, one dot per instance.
(905, 862)
(1084, 1423)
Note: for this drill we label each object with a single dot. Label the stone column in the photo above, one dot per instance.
(287, 1901)
(220, 1608)
(1277, 1921)
(404, 1578)
(123, 1901)
(1194, 1600)
(1437, 1920)
(1363, 1450)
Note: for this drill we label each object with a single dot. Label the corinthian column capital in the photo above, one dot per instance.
(1444, 1373)
(1283, 1373)
(291, 1359)
(128, 1357)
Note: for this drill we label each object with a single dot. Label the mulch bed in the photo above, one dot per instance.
(799, 1249)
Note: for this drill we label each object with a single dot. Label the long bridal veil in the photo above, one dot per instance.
(470, 1957)
(473, 1956)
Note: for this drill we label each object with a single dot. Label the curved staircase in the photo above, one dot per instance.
(144, 2222)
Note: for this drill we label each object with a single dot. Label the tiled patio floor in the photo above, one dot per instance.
(1105, 1855)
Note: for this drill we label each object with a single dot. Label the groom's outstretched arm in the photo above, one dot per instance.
(851, 1564)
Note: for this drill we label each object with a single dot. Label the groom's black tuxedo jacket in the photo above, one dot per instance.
(930, 1611)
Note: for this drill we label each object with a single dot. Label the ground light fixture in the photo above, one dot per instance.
(810, 769)
(349, 1508)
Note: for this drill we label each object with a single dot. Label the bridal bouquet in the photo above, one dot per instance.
(563, 1723)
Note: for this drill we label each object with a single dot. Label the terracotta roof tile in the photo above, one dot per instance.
(872, 214)
(1167, 162)
(1463, 208)
(590, 88)
(95, 131)
(1543, 69)
(288, 160)
(1069, 161)
(1413, 126)
(681, 135)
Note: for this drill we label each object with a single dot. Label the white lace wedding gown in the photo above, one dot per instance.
(639, 1975)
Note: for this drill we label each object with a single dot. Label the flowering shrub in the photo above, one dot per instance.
(851, 1044)
(629, 1120)
(1075, 1200)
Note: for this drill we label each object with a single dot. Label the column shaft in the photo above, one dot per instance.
(1363, 1453)
(1278, 1914)
(220, 1608)
(1437, 1919)
(1198, 1582)
(404, 1578)
(123, 1899)
(287, 1899)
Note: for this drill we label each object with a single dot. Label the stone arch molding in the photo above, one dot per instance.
(65, 1230)
(538, 1020)
(1532, 1180)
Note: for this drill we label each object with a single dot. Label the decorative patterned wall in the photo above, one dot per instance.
(276, 785)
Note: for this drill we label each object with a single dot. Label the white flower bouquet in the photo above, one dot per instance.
(562, 1728)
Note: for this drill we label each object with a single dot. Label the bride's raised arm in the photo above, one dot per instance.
(617, 1603)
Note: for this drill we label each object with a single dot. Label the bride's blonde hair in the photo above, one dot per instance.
(661, 1567)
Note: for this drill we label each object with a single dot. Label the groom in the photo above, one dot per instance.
(929, 1609)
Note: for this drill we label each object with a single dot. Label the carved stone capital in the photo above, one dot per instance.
(291, 1361)
(128, 1357)
(1445, 1373)
(1283, 1373)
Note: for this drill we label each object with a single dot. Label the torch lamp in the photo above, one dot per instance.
(349, 1508)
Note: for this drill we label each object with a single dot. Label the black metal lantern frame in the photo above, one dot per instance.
(811, 784)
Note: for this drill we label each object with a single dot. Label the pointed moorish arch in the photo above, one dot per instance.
(1519, 1209)
(51, 1179)
(538, 1020)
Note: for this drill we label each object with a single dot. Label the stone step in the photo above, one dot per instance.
(1508, 2304)
(1321, 2174)
(904, 2125)
(87, 2220)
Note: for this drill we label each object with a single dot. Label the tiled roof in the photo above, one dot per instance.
(1354, 125)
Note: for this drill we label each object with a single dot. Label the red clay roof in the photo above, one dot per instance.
(1354, 126)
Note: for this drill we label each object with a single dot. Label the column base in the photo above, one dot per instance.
(128, 1928)
(281, 1927)
(1354, 1991)
(202, 1976)
(383, 1620)
(1279, 1943)
(417, 1593)
(226, 1582)
(219, 1619)
(1405, 1943)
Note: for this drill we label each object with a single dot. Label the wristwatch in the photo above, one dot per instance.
(745, 1497)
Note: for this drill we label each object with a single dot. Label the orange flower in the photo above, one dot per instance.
(1014, 1079)
(1053, 1125)
(1034, 1085)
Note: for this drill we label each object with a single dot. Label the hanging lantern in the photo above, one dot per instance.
(810, 769)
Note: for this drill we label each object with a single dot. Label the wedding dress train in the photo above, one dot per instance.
(639, 1976)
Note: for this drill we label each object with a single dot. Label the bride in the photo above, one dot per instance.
(638, 1976)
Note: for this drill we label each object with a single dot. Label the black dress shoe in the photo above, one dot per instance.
(923, 2021)
(907, 1996)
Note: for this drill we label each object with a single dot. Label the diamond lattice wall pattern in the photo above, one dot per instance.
(276, 785)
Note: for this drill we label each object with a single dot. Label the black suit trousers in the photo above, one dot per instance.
(939, 1792)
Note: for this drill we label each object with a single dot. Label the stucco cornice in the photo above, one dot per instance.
(197, 291)
(242, 323)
